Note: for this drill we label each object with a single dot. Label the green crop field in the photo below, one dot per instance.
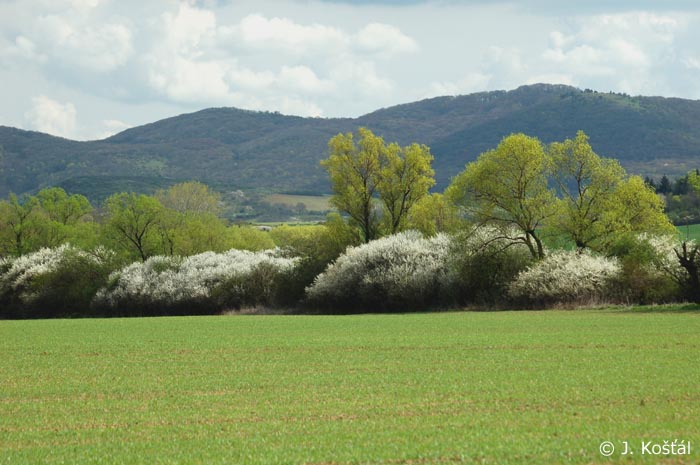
(691, 232)
(495, 387)
(314, 203)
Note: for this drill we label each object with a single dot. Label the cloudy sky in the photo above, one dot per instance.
(85, 69)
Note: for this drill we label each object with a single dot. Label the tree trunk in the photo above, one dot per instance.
(688, 259)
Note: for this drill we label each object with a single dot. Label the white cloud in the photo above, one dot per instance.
(384, 39)
(190, 81)
(204, 62)
(53, 117)
(100, 48)
(19, 50)
(472, 82)
(258, 31)
(552, 78)
(692, 63)
(362, 77)
(303, 79)
(110, 127)
(187, 31)
(115, 125)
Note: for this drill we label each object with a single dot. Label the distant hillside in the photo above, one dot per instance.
(237, 149)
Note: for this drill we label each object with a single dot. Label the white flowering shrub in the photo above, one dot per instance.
(566, 276)
(483, 262)
(53, 282)
(401, 272)
(651, 271)
(665, 260)
(200, 283)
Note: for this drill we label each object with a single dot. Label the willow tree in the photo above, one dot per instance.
(405, 178)
(597, 200)
(507, 187)
(132, 221)
(371, 179)
(586, 184)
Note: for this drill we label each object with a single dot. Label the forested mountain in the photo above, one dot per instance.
(231, 149)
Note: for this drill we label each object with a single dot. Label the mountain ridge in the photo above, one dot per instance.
(231, 148)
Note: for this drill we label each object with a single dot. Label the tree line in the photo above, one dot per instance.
(682, 196)
(523, 217)
(181, 220)
(560, 192)
(561, 195)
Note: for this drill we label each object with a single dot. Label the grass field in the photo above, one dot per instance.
(692, 232)
(314, 203)
(500, 387)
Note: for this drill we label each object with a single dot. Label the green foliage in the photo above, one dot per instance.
(354, 172)
(598, 201)
(507, 186)
(400, 177)
(248, 238)
(483, 262)
(641, 279)
(132, 223)
(434, 213)
(190, 198)
(48, 219)
(586, 184)
(19, 226)
(404, 179)
(69, 289)
(640, 209)
(317, 246)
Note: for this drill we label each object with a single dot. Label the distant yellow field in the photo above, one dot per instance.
(314, 203)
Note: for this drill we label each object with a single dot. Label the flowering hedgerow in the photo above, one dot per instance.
(483, 262)
(161, 284)
(566, 276)
(42, 279)
(666, 260)
(401, 272)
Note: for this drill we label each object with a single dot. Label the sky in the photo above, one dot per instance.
(86, 69)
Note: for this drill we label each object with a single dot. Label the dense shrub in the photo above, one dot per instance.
(53, 282)
(484, 261)
(403, 272)
(316, 246)
(680, 260)
(567, 277)
(650, 269)
(203, 283)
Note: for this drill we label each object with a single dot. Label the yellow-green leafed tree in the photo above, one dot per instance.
(132, 223)
(20, 226)
(354, 169)
(694, 181)
(373, 181)
(405, 178)
(189, 223)
(248, 238)
(637, 208)
(434, 214)
(191, 197)
(597, 200)
(507, 187)
(586, 184)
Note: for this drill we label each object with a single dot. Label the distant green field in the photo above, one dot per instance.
(691, 232)
(316, 203)
(495, 388)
